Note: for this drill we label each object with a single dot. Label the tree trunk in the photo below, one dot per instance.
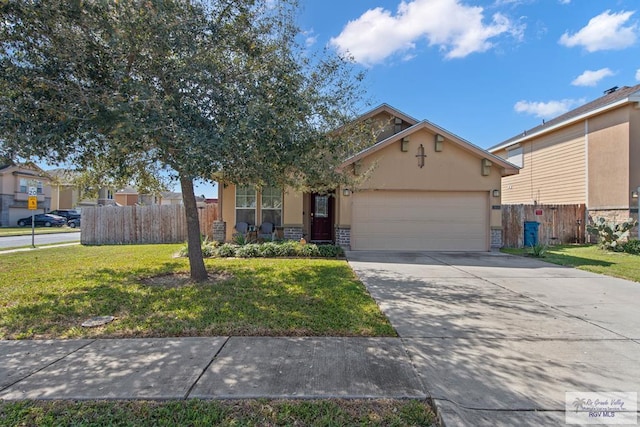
(196, 261)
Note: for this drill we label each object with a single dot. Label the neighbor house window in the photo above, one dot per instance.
(39, 187)
(246, 205)
(23, 185)
(515, 156)
(271, 206)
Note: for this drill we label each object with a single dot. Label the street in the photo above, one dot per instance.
(40, 239)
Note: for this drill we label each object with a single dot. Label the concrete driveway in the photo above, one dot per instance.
(498, 339)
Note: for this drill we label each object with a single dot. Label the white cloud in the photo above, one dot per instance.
(604, 32)
(546, 110)
(592, 78)
(638, 75)
(564, 1)
(456, 29)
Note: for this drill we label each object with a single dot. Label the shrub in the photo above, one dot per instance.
(309, 250)
(288, 248)
(251, 250)
(240, 239)
(330, 251)
(538, 250)
(226, 250)
(268, 250)
(611, 235)
(632, 246)
(208, 249)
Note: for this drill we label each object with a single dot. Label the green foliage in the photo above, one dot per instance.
(280, 249)
(611, 235)
(131, 91)
(226, 250)
(251, 250)
(330, 251)
(538, 250)
(194, 412)
(631, 246)
(240, 239)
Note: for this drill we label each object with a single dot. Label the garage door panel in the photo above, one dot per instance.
(420, 221)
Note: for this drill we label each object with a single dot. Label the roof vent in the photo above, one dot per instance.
(611, 90)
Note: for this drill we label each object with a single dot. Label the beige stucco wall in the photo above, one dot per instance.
(452, 169)
(553, 169)
(292, 208)
(609, 160)
(634, 152)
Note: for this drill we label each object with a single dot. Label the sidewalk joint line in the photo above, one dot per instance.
(186, 395)
(47, 366)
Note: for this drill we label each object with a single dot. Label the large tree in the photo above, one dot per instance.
(140, 89)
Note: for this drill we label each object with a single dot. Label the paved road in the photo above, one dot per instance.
(40, 239)
(499, 340)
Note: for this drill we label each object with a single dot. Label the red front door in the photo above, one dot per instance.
(321, 217)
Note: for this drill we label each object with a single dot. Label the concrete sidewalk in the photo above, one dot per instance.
(207, 368)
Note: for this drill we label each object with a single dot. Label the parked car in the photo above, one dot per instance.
(73, 223)
(67, 213)
(48, 220)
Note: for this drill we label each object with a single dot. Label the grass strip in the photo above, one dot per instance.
(589, 258)
(333, 412)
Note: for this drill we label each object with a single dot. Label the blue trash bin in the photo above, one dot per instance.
(531, 233)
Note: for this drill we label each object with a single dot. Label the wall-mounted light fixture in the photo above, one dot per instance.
(346, 192)
(496, 193)
(404, 144)
(634, 194)
(439, 141)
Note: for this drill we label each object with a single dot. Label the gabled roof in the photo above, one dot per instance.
(612, 99)
(509, 169)
(388, 109)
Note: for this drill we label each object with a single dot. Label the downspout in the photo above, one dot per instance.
(586, 164)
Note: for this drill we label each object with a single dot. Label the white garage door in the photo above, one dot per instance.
(429, 221)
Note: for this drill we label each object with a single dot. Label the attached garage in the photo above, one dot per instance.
(420, 220)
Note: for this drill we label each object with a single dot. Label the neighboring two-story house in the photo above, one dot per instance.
(15, 182)
(590, 156)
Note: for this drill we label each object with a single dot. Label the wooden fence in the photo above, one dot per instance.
(559, 224)
(112, 225)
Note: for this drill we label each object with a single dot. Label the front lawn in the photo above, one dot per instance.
(590, 258)
(261, 412)
(49, 293)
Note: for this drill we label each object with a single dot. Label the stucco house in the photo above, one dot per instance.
(586, 156)
(426, 189)
(15, 181)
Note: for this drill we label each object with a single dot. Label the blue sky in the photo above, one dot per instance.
(484, 70)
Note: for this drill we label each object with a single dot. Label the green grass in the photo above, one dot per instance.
(49, 293)
(219, 413)
(590, 258)
(26, 231)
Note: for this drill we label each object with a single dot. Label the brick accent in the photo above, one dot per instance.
(219, 231)
(496, 238)
(343, 237)
(292, 233)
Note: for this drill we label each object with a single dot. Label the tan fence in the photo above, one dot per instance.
(109, 225)
(559, 224)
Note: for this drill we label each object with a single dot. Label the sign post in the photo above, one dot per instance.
(32, 204)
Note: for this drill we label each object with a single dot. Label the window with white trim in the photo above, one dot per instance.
(23, 185)
(271, 205)
(246, 205)
(515, 156)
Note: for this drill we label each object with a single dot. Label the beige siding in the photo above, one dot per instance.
(634, 150)
(553, 170)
